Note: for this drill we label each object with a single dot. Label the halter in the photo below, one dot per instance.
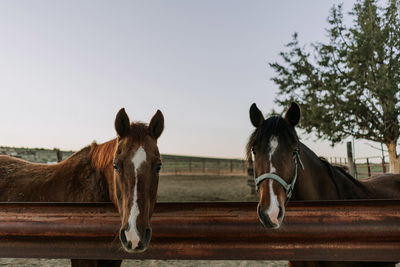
(288, 187)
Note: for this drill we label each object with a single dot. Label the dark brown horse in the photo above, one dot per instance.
(284, 168)
(124, 170)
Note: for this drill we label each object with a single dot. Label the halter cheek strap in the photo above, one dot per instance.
(288, 187)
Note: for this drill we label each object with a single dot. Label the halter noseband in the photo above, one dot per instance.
(288, 187)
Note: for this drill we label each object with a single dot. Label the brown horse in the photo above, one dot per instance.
(280, 160)
(124, 170)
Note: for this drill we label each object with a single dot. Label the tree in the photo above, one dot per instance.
(348, 86)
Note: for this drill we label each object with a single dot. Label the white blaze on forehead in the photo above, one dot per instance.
(139, 158)
(273, 144)
(133, 234)
(272, 169)
(273, 210)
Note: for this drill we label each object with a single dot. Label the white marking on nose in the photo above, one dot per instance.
(133, 234)
(273, 210)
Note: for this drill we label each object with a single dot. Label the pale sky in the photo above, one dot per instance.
(67, 67)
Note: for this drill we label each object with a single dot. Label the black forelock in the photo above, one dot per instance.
(273, 126)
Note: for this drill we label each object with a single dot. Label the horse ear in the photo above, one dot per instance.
(256, 116)
(122, 123)
(156, 125)
(292, 115)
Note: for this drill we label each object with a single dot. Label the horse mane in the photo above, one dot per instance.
(101, 155)
(340, 169)
(332, 170)
(273, 126)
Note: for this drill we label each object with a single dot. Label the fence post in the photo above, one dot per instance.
(250, 176)
(369, 168)
(218, 170)
(190, 165)
(383, 165)
(59, 154)
(231, 167)
(204, 165)
(350, 160)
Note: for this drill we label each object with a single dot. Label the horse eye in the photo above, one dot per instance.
(253, 150)
(115, 167)
(158, 167)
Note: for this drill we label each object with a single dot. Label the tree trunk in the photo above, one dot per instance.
(394, 160)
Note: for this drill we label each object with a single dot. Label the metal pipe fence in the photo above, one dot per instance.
(312, 231)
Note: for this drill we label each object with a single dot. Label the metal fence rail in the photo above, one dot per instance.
(337, 230)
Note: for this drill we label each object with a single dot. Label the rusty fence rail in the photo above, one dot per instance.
(331, 230)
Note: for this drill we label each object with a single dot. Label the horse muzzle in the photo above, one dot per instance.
(270, 219)
(139, 244)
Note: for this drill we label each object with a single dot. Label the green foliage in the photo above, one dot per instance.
(350, 85)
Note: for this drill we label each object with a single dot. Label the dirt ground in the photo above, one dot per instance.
(204, 188)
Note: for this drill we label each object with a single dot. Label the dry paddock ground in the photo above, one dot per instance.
(175, 189)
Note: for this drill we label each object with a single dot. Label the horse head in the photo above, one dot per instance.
(137, 164)
(275, 148)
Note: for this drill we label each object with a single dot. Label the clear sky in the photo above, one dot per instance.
(67, 67)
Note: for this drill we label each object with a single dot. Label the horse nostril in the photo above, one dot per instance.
(129, 245)
(147, 235)
(143, 244)
(260, 214)
(280, 214)
(122, 237)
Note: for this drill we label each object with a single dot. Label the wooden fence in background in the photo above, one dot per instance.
(338, 161)
(371, 166)
(186, 165)
(365, 167)
(182, 165)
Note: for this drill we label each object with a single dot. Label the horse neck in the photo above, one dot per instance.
(102, 161)
(320, 181)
